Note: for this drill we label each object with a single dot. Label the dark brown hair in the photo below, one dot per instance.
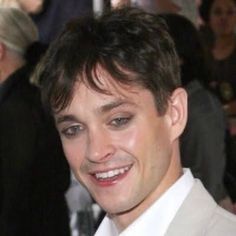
(132, 46)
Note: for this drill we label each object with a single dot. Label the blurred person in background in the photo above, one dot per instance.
(187, 8)
(29, 6)
(203, 146)
(219, 17)
(33, 173)
(54, 14)
(51, 15)
(32, 6)
(9, 3)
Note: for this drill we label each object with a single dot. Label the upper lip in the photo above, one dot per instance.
(97, 171)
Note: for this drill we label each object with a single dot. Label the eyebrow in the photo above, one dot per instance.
(112, 105)
(103, 109)
(65, 118)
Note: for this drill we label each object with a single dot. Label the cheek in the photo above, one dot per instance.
(233, 22)
(144, 139)
(213, 22)
(131, 141)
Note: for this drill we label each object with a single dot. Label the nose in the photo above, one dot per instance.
(99, 146)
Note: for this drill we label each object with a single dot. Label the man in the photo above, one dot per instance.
(113, 86)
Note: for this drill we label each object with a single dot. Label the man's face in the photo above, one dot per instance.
(117, 145)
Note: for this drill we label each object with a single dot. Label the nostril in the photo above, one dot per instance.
(99, 144)
(102, 155)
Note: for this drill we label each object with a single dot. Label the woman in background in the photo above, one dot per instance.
(219, 17)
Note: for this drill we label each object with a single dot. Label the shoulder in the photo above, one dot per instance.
(216, 220)
(200, 215)
(222, 223)
(21, 94)
(20, 103)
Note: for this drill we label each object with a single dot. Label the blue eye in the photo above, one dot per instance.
(120, 121)
(72, 131)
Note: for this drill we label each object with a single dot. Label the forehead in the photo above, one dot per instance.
(106, 84)
(87, 102)
(109, 89)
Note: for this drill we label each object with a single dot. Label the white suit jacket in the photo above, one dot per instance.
(199, 215)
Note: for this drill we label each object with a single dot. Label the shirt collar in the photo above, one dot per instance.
(156, 219)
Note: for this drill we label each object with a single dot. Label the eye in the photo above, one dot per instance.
(231, 12)
(120, 121)
(72, 131)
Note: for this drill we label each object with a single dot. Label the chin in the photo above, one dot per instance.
(116, 207)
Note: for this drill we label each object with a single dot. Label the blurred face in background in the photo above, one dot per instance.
(31, 6)
(222, 18)
(120, 3)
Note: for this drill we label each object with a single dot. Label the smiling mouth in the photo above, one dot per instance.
(111, 174)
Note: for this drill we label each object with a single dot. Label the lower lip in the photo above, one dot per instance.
(109, 182)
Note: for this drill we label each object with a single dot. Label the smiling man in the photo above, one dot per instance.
(113, 86)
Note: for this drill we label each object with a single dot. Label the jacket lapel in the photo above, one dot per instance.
(195, 213)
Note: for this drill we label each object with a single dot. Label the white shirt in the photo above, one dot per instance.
(156, 219)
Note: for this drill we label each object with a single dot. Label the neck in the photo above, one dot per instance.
(224, 46)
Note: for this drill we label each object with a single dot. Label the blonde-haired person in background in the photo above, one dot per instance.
(29, 6)
(9, 3)
(32, 186)
(51, 15)
(17, 33)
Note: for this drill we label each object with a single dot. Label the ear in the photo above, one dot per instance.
(178, 112)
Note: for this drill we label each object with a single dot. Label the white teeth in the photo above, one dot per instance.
(111, 173)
